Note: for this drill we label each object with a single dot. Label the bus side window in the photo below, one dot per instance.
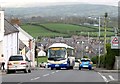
(70, 52)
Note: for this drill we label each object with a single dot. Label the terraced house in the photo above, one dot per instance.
(14, 40)
(9, 40)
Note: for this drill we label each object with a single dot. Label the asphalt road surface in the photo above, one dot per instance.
(47, 75)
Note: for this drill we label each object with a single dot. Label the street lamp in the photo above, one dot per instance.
(105, 24)
(82, 49)
(99, 44)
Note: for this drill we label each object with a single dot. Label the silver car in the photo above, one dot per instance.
(18, 63)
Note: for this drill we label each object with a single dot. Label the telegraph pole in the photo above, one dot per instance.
(99, 44)
(105, 25)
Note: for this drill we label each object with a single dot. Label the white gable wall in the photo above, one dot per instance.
(24, 39)
(10, 45)
(1, 31)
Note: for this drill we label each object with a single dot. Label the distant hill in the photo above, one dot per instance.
(63, 10)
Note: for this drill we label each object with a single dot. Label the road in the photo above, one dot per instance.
(47, 75)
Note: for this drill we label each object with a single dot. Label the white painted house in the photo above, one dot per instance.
(9, 40)
(29, 41)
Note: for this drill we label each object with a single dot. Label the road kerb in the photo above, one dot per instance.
(106, 71)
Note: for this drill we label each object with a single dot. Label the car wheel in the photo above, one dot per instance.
(8, 71)
(25, 71)
(29, 71)
(90, 68)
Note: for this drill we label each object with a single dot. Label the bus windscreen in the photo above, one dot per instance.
(57, 52)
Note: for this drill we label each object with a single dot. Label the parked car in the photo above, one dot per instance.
(77, 61)
(43, 64)
(85, 63)
(18, 63)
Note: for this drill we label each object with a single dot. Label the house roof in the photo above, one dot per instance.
(9, 28)
(25, 33)
(21, 44)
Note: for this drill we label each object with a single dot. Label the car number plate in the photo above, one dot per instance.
(85, 66)
(56, 65)
(16, 62)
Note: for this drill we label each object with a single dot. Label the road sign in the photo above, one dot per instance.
(115, 42)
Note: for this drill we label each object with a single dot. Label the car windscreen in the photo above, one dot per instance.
(85, 60)
(16, 58)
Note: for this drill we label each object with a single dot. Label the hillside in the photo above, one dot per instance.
(63, 10)
(65, 30)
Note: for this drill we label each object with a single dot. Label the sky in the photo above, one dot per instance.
(25, 3)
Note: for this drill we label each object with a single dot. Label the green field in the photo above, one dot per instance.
(39, 31)
(65, 30)
(41, 59)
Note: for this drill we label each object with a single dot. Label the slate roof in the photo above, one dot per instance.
(9, 28)
(21, 30)
(21, 45)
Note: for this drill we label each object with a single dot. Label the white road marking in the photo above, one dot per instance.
(105, 79)
(46, 74)
(52, 72)
(35, 78)
(20, 83)
(111, 77)
(57, 71)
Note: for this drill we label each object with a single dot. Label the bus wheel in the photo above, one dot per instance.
(52, 68)
(68, 68)
(71, 67)
(58, 68)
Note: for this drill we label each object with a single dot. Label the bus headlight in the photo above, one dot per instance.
(49, 63)
(65, 62)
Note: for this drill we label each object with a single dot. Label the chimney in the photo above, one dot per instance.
(1, 25)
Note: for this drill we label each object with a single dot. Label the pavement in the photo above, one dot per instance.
(103, 70)
(2, 72)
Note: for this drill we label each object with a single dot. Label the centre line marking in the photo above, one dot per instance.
(52, 72)
(35, 78)
(57, 70)
(46, 74)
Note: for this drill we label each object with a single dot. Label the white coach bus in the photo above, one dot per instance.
(61, 55)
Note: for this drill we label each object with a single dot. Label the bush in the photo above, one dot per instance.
(109, 57)
(102, 61)
(94, 59)
(85, 56)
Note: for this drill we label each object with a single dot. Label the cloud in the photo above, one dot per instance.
(20, 3)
